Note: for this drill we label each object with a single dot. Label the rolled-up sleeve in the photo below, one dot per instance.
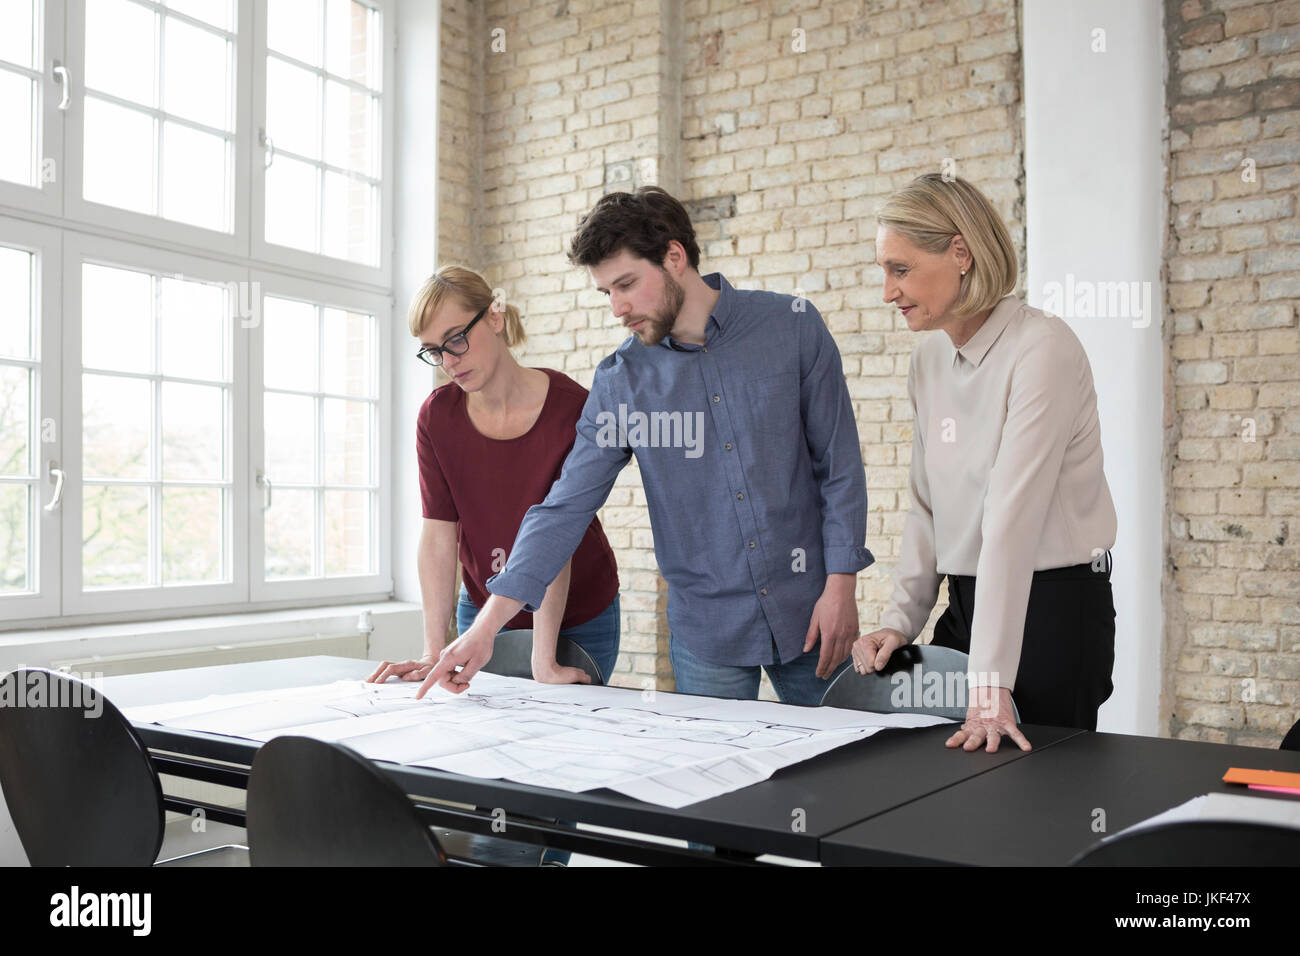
(916, 578)
(1023, 483)
(832, 436)
(552, 530)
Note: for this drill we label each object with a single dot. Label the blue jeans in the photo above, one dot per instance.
(795, 682)
(598, 637)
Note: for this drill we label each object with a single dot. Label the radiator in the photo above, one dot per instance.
(342, 645)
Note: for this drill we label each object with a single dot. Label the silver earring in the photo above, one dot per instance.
(963, 271)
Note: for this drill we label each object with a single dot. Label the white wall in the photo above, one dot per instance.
(1095, 208)
(415, 259)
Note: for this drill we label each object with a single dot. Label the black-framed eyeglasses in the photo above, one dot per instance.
(457, 344)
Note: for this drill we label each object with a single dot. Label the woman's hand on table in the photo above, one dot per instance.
(871, 651)
(406, 670)
(469, 652)
(989, 718)
(552, 672)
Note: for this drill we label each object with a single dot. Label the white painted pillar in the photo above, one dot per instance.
(415, 215)
(1096, 210)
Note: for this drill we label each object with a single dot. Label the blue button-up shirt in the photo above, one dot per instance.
(753, 476)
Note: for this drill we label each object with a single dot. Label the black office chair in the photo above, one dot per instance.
(78, 780)
(512, 656)
(1198, 843)
(313, 803)
(1292, 739)
(928, 670)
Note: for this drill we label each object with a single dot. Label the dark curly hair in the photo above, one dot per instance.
(642, 222)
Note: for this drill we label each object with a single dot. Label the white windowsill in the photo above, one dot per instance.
(210, 630)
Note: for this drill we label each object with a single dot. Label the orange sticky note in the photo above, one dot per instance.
(1269, 778)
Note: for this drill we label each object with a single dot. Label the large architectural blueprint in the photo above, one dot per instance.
(668, 749)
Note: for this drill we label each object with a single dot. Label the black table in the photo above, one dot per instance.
(788, 815)
(1040, 811)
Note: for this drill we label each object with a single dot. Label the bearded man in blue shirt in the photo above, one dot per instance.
(735, 405)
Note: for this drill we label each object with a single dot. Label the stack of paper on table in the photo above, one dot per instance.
(668, 749)
(1227, 806)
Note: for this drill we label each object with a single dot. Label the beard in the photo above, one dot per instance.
(659, 325)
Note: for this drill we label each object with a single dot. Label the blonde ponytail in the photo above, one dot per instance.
(514, 331)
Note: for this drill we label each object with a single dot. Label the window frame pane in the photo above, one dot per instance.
(81, 249)
(44, 196)
(142, 225)
(380, 581)
(346, 270)
(45, 527)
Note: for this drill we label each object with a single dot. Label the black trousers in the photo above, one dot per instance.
(1069, 646)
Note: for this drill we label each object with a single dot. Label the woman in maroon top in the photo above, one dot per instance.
(490, 444)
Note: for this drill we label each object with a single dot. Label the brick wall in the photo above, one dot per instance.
(460, 139)
(1232, 588)
(782, 125)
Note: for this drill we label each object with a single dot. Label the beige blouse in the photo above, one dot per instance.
(1006, 476)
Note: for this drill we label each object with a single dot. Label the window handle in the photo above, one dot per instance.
(56, 475)
(65, 81)
(264, 483)
(269, 145)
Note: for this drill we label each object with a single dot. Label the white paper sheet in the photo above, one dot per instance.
(668, 749)
(1227, 806)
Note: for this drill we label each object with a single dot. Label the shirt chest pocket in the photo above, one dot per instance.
(770, 417)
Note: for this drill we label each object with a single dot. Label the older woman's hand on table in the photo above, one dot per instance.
(989, 718)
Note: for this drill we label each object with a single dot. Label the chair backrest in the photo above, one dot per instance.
(1292, 739)
(1198, 843)
(76, 776)
(919, 679)
(512, 656)
(313, 803)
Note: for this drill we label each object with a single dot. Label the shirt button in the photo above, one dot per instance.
(705, 348)
(728, 446)
(751, 544)
(740, 496)
(763, 591)
(716, 399)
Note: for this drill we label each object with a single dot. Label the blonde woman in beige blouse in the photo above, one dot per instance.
(1009, 499)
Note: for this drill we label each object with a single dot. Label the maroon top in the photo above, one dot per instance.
(487, 484)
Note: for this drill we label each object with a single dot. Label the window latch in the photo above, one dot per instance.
(56, 475)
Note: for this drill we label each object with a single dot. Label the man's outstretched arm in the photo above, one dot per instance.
(550, 533)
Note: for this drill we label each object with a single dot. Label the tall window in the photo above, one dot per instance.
(19, 367)
(193, 335)
(159, 110)
(155, 389)
(320, 414)
(322, 171)
(20, 78)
